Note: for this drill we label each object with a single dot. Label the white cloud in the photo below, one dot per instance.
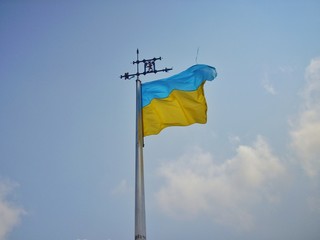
(227, 192)
(267, 85)
(234, 139)
(306, 130)
(286, 69)
(269, 88)
(312, 89)
(121, 188)
(9, 213)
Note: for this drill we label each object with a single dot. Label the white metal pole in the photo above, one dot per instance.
(140, 218)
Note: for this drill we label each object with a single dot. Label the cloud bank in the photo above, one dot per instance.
(306, 129)
(230, 192)
(9, 213)
(195, 184)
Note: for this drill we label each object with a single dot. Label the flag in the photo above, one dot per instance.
(176, 101)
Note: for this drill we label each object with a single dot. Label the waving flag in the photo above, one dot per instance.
(176, 101)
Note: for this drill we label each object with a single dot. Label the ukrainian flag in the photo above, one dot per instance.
(176, 101)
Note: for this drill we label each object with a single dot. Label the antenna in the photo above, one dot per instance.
(197, 55)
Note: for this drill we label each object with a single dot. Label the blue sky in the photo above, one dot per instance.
(68, 121)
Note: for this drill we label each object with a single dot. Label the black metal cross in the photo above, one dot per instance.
(149, 67)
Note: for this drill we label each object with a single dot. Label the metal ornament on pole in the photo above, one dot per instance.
(140, 215)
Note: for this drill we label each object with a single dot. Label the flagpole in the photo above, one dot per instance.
(140, 212)
(140, 218)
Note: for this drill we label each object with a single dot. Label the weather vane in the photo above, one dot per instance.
(149, 67)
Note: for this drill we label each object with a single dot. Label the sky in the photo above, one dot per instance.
(67, 120)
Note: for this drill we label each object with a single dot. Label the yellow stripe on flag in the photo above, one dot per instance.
(180, 108)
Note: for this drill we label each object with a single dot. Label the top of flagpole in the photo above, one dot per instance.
(149, 66)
